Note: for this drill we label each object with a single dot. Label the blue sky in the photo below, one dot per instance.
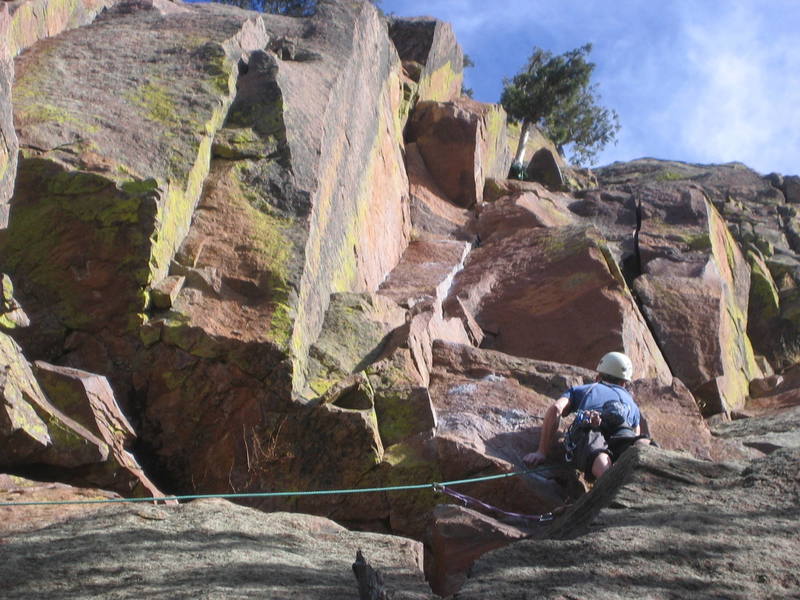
(707, 81)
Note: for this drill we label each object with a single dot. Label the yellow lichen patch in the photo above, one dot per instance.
(269, 235)
(738, 358)
(4, 162)
(764, 294)
(34, 113)
(19, 388)
(495, 143)
(443, 85)
(175, 213)
(155, 98)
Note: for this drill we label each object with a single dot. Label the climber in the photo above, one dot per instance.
(607, 419)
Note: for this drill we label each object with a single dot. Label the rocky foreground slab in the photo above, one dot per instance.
(662, 525)
(205, 549)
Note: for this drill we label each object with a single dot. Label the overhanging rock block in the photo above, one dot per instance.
(696, 295)
(462, 143)
(528, 287)
(88, 449)
(433, 215)
(89, 400)
(34, 431)
(544, 168)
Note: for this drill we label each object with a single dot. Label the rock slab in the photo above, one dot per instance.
(206, 549)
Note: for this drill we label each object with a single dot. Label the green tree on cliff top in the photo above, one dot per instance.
(554, 93)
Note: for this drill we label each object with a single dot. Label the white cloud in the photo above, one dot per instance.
(741, 102)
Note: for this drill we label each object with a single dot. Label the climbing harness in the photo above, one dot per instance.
(574, 434)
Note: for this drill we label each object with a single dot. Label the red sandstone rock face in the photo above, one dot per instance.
(776, 393)
(35, 20)
(89, 400)
(695, 292)
(489, 407)
(22, 25)
(691, 279)
(761, 217)
(553, 294)
(433, 216)
(460, 536)
(534, 208)
(462, 143)
(673, 418)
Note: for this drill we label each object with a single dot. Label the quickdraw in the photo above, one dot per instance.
(466, 500)
(582, 421)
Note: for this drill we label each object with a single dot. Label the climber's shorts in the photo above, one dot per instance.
(588, 446)
(589, 443)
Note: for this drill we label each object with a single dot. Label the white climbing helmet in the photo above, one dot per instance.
(617, 365)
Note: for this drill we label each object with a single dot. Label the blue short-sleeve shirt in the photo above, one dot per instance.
(593, 396)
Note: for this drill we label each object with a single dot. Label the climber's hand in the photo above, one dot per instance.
(534, 458)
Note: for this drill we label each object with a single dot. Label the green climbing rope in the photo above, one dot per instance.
(395, 488)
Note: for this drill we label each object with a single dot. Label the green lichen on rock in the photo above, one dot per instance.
(441, 85)
(560, 244)
(5, 162)
(355, 331)
(700, 241)
(41, 112)
(738, 358)
(193, 340)
(498, 158)
(18, 394)
(6, 290)
(238, 144)
(668, 175)
(408, 463)
(274, 236)
(217, 66)
(402, 412)
(59, 215)
(764, 297)
(156, 101)
(129, 197)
